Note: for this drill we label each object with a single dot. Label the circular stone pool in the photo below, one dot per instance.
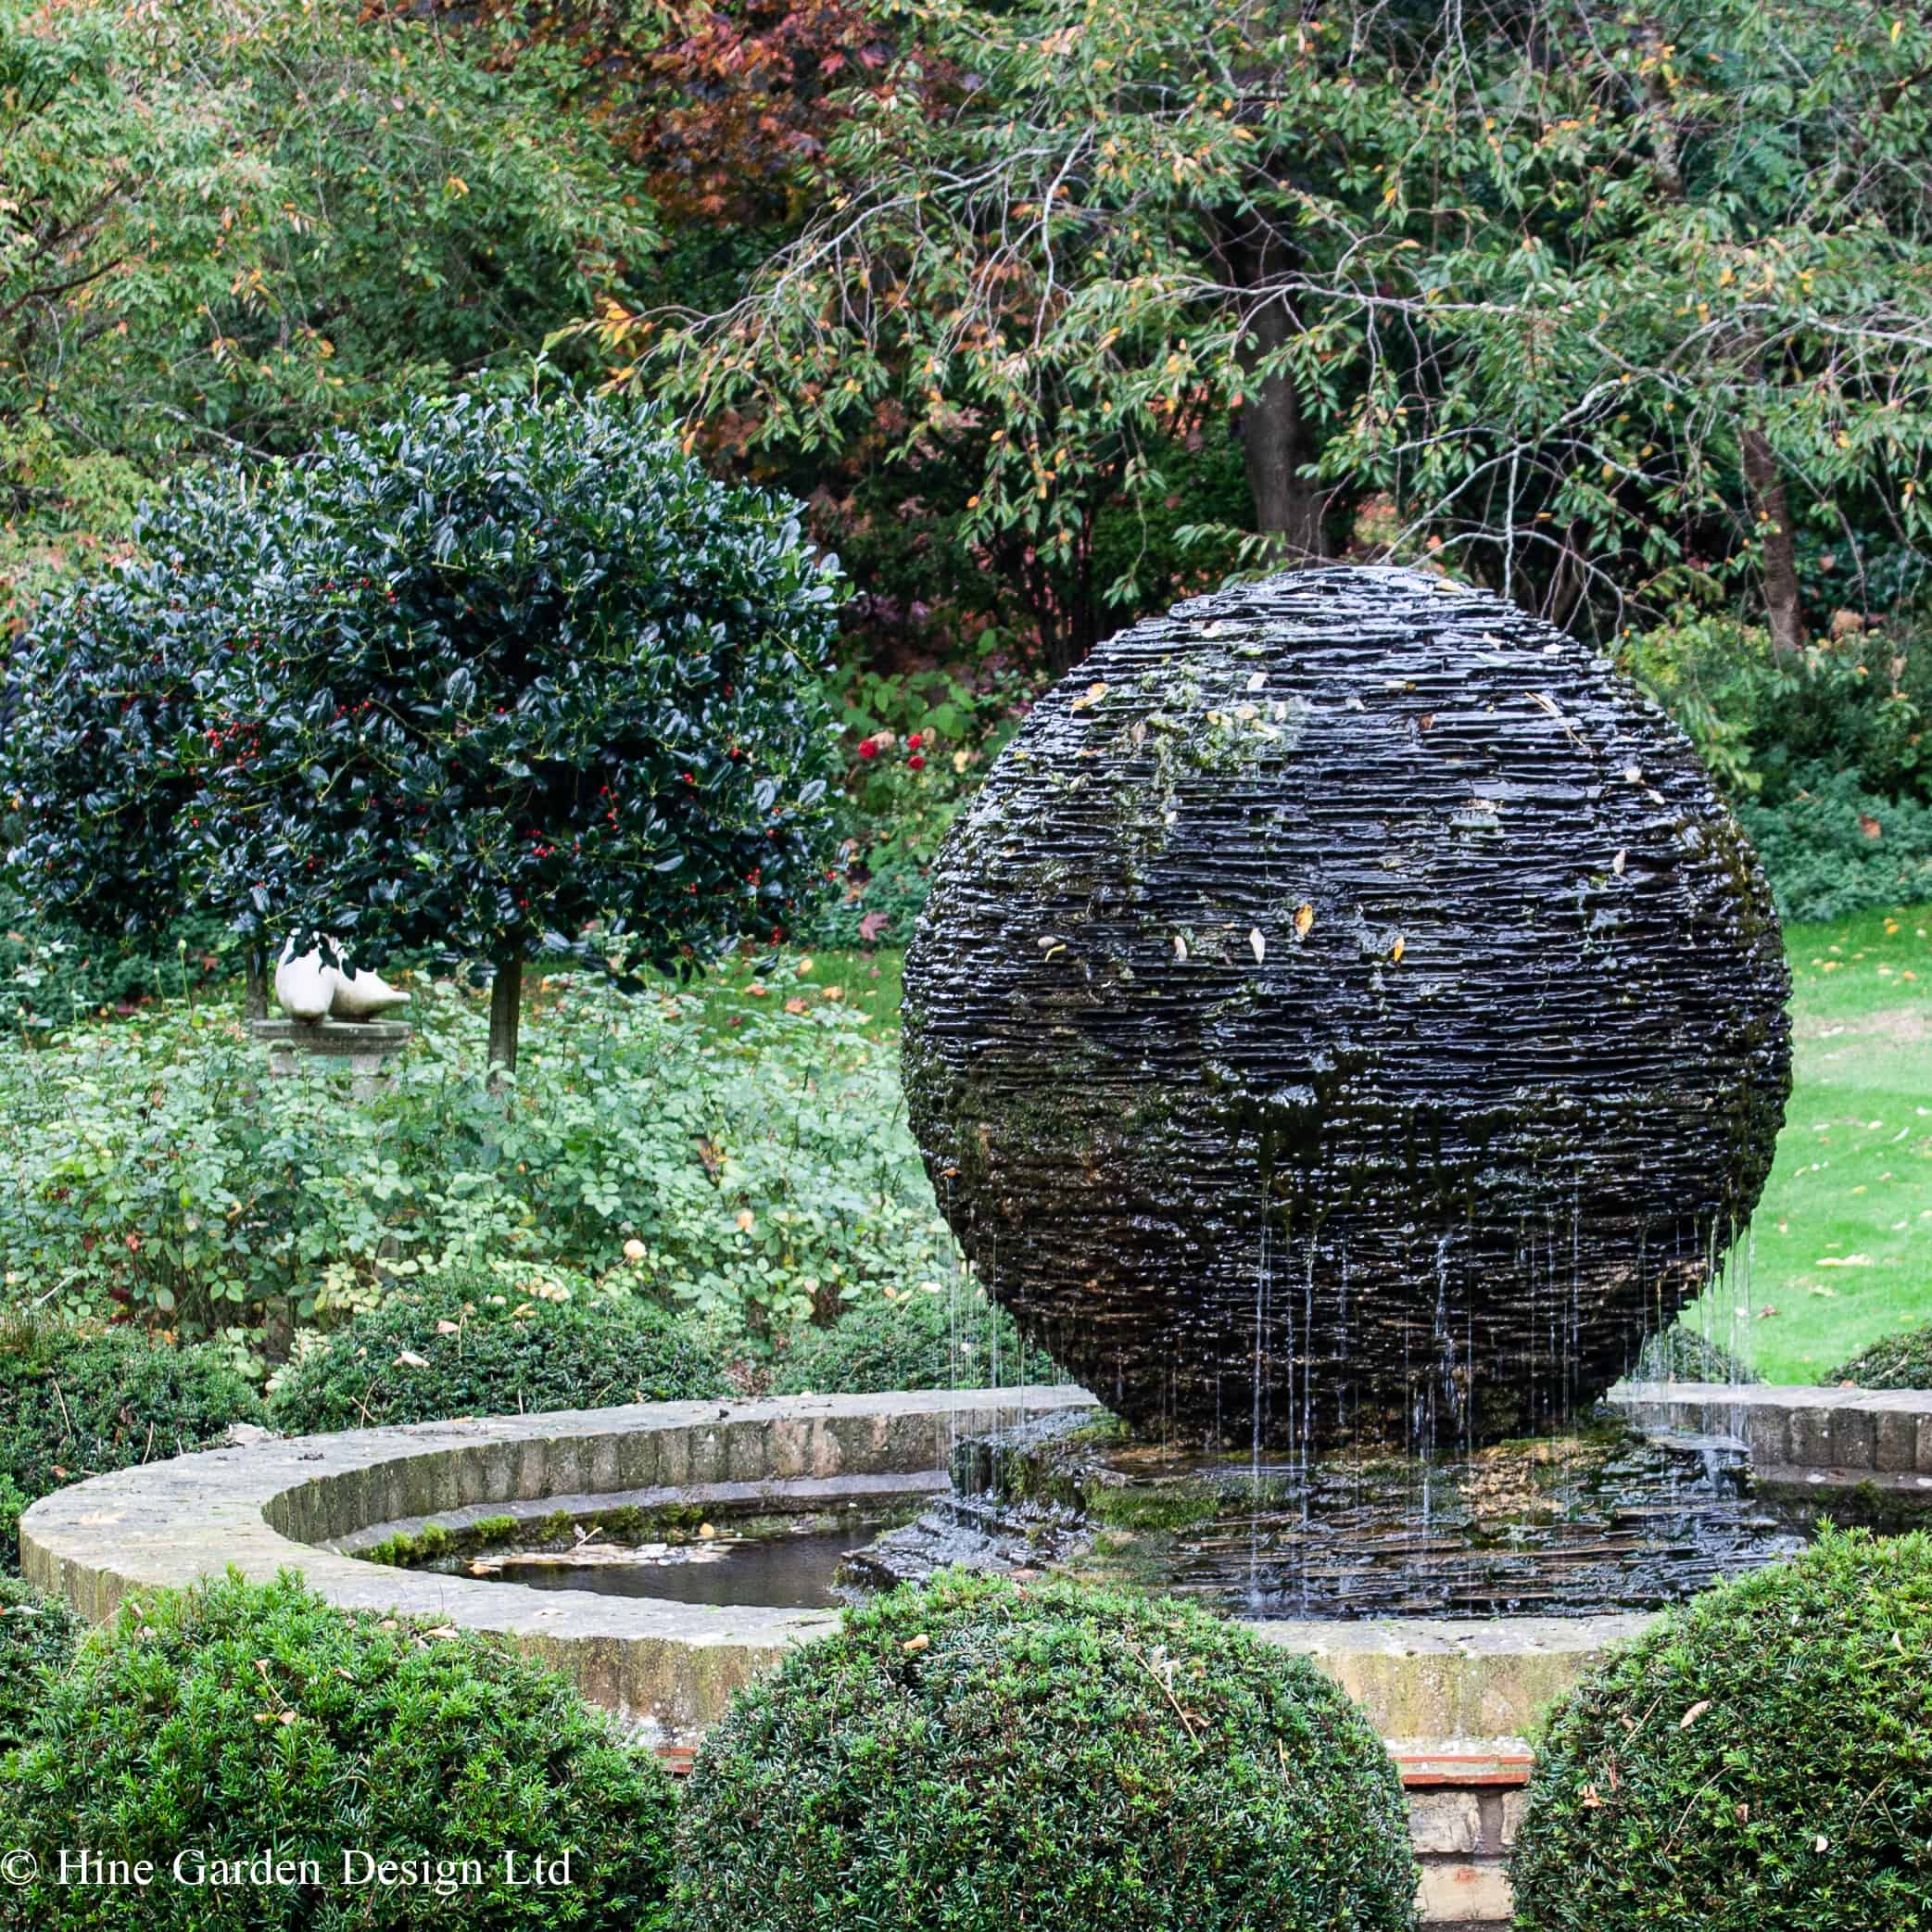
(1454, 1697)
(319, 1504)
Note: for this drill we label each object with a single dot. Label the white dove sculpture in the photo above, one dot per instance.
(307, 987)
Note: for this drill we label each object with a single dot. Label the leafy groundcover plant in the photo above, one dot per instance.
(1760, 1760)
(240, 1719)
(476, 1346)
(972, 1757)
(75, 1404)
(745, 1155)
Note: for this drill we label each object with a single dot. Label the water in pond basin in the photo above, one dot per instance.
(780, 1563)
(788, 1570)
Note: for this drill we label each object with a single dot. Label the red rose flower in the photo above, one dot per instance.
(867, 749)
(916, 762)
(914, 742)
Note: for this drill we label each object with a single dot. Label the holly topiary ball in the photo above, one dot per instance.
(968, 1756)
(1760, 1760)
(238, 1720)
(476, 1347)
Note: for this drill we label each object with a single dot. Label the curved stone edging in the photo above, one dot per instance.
(1429, 1683)
(279, 1505)
(1452, 1699)
(271, 1507)
(1802, 1440)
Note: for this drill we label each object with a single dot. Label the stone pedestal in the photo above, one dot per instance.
(366, 1044)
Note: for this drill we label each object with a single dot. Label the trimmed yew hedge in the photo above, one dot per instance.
(238, 1719)
(1759, 1761)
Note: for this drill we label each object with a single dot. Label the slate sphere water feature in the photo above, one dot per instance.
(1347, 1012)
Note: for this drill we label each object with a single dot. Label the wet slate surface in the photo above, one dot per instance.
(1347, 1012)
(1579, 1525)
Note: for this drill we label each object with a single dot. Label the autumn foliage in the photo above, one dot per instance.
(719, 107)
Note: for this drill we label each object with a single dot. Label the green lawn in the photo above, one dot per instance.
(866, 982)
(1840, 1251)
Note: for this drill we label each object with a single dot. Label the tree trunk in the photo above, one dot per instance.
(255, 985)
(1274, 441)
(1766, 484)
(1274, 446)
(506, 1007)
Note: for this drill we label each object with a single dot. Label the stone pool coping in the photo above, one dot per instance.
(274, 1504)
(304, 1503)
(1428, 1686)
(1823, 1437)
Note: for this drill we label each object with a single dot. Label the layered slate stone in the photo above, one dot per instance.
(1346, 1011)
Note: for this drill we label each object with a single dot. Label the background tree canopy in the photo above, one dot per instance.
(336, 583)
(226, 224)
(1051, 314)
(1603, 308)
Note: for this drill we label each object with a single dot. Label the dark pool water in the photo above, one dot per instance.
(795, 1570)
